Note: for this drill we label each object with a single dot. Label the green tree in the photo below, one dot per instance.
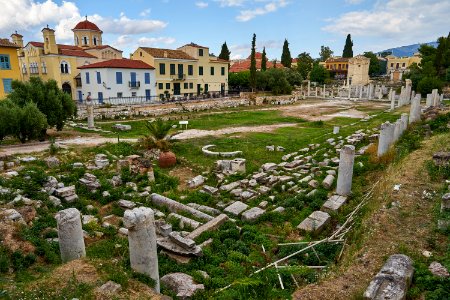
(225, 53)
(56, 105)
(32, 122)
(325, 53)
(286, 58)
(293, 77)
(427, 84)
(348, 48)
(374, 66)
(304, 64)
(253, 64)
(240, 80)
(319, 74)
(264, 60)
(9, 119)
(278, 83)
(262, 81)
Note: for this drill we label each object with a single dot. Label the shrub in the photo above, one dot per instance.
(427, 84)
(32, 123)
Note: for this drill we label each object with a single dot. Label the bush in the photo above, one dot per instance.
(9, 119)
(427, 84)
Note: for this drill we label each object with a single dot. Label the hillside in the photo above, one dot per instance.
(408, 50)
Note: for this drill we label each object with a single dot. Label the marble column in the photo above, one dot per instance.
(70, 234)
(345, 171)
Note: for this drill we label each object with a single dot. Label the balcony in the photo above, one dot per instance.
(134, 84)
(178, 77)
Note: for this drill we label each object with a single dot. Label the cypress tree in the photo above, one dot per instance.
(348, 48)
(225, 53)
(286, 59)
(253, 64)
(264, 60)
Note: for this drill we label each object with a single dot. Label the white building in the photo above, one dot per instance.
(118, 80)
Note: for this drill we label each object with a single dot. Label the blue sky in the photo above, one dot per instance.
(374, 25)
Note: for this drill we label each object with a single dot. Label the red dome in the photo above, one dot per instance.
(86, 25)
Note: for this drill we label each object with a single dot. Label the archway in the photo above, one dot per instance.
(67, 88)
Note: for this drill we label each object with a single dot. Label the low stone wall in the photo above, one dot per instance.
(154, 110)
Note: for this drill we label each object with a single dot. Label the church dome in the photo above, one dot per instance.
(86, 25)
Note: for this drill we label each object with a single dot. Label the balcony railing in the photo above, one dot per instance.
(134, 84)
(178, 77)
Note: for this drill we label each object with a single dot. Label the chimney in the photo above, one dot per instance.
(165, 54)
(50, 46)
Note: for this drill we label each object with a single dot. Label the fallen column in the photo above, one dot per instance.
(140, 223)
(211, 225)
(70, 234)
(345, 171)
(175, 206)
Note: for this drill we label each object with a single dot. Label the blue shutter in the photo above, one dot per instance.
(99, 78)
(87, 78)
(147, 78)
(100, 97)
(133, 79)
(80, 96)
(7, 85)
(147, 95)
(4, 62)
(119, 77)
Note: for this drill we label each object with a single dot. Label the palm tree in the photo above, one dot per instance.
(159, 137)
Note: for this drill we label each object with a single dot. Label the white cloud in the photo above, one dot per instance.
(154, 41)
(248, 14)
(145, 12)
(230, 3)
(396, 21)
(201, 4)
(125, 25)
(353, 2)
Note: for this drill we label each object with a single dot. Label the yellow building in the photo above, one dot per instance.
(397, 66)
(186, 71)
(337, 66)
(9, 66)
(50, 60)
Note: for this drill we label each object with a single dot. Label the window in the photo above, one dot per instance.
(147, 78)
(172, 69)
(392, 65)
(119, 78)
(397, 66)
(34, 68)
(190, 70)
(200, 52)
(404, 65)
(119, 95)
(85, 40)
(162, 69)
(186, 85)
(44, 68)
(77, 41)
(65, 67)
(133, 94)
(140, 53)
(200, 71)
(95, 41)
(5, 62)
(167, 86)
(160, 85)
(7, 85)
(212, 71)
(88, 81)
(191, 85)
(100, 97)
(222, 71)
(99, 78)
(180, 71)
(24, 69)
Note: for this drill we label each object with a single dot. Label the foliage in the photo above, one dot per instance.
(252, 78)
(319, 74)
(158, 135)
(264, 60)
(293, 77)
(348, 48)
(304, 64)
(374, 66)
(427, 84)
(53, 148)
(9, 119)
(325, 53)
(278, 82)
(32, 123)
(56, 105)
(286, 59)
(224, 52)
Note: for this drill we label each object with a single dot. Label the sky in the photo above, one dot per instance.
(127, 24)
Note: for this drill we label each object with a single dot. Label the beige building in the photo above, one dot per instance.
(397, 66)
(186, 71)
(358, 70)
(50, 60)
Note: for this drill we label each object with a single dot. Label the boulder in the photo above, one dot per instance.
(109, 288)
(52, 162)
(438, 270)
(181, 284)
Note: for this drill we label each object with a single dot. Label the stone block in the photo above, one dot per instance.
(315, 222)
(252, 214)
(210, 225)
(334, 203)
(236, 208)
(196, 182)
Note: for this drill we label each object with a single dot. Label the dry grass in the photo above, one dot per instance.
(387, 229)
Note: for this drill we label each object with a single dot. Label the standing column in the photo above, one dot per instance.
(70, 234)
(317, 92)
(398, 125)
(309, 88)
(385, 138)
(324, 91)
(142, 242)
(392, 98)
(345, 172)
(414, 114)
(404, 119)
(90, 113)
(360, 91)
(349, 92)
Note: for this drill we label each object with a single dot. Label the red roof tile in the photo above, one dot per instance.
(167, 53)
(121, 63)
(7, 43)
(104, 47)
(245, 66)
(86, 25)
(78, 53)
(194, 45)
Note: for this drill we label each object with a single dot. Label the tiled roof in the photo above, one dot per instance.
(7, 43)
(219, 60)
(121, 63)
(245, 66)
(167, 53)
(60, 46)
(67, 50)
(337, 59)
(194, 45)
(103, 47)
(258, 55)
(86, 25)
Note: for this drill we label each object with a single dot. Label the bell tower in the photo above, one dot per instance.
(50, 46)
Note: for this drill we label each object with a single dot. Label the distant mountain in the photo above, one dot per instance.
(407, 50)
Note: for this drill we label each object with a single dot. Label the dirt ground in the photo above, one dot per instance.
(386, 230)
